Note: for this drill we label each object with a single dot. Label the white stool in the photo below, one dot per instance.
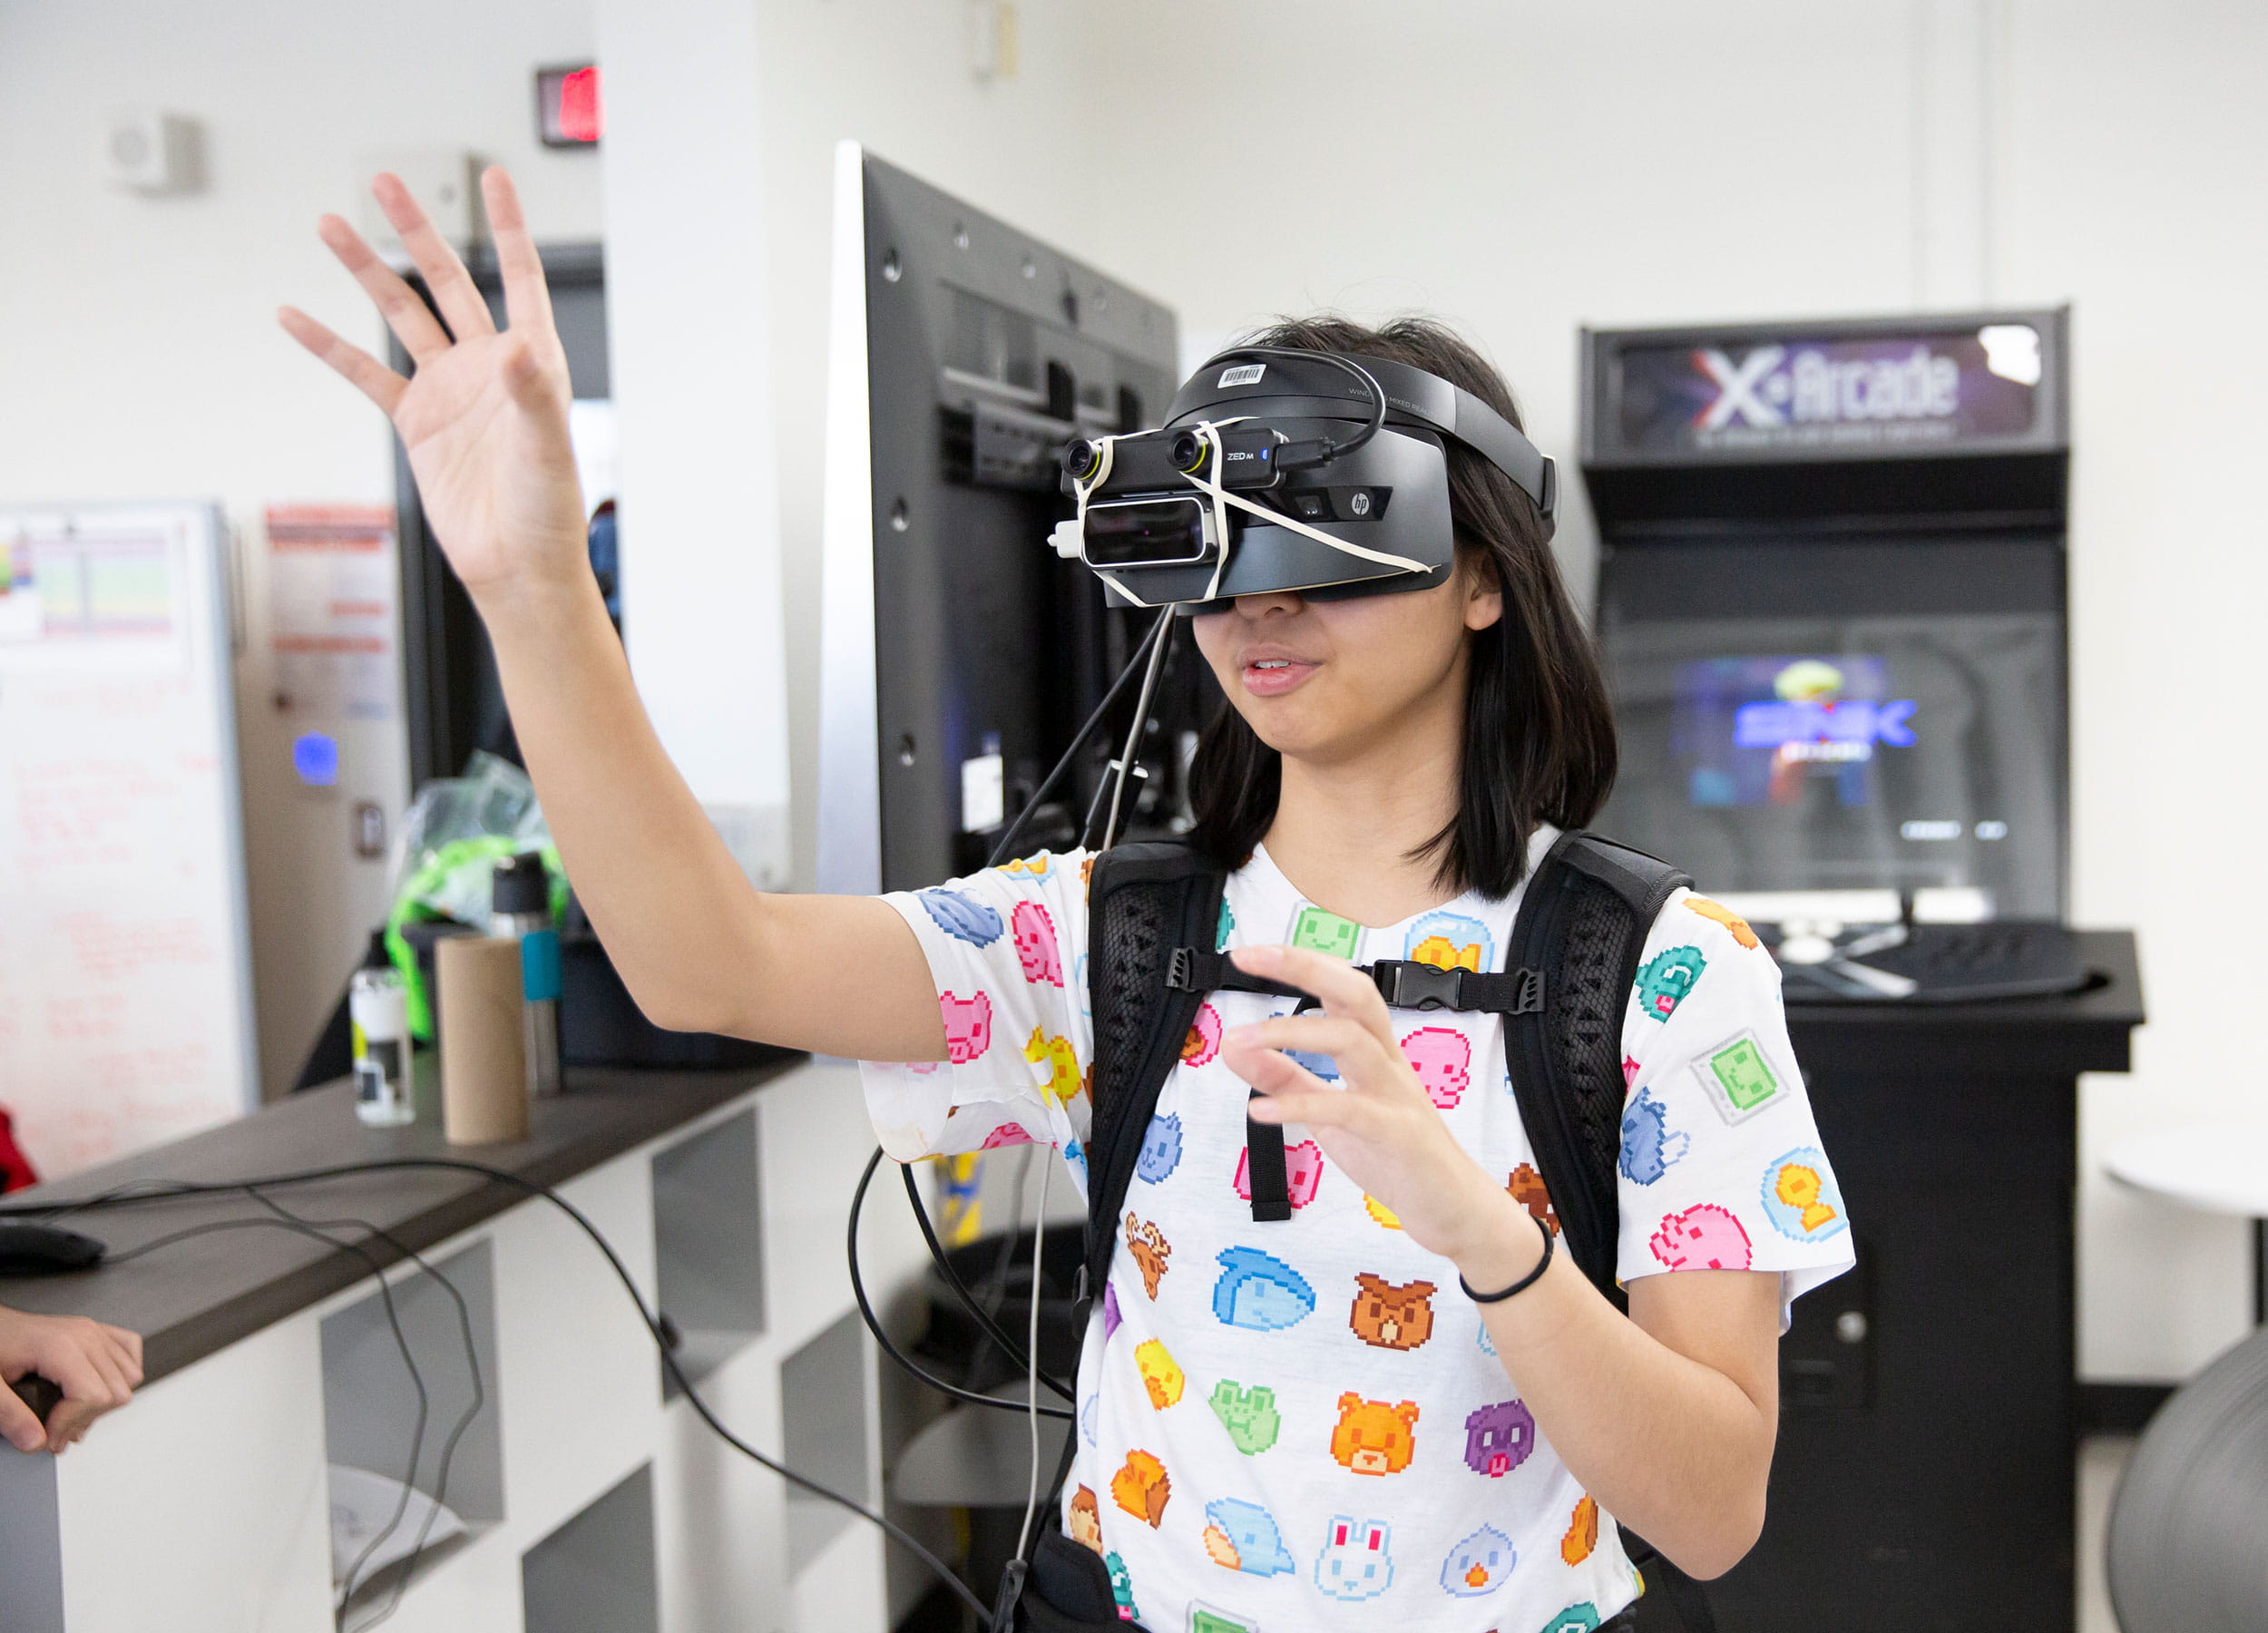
(2218, 1167)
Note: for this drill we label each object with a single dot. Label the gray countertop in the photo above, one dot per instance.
(195, 1297)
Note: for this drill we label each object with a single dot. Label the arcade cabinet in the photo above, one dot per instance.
(1830, 598)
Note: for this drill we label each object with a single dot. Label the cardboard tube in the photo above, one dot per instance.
(484, 1066)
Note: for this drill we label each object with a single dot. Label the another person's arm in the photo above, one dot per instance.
(484, 421)
(96, 1366)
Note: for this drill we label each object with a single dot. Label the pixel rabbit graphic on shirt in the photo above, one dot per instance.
(1355, 1563)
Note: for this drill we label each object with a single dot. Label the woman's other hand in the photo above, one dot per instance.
(1378, 1125)
(96, 1366)
(483, 416)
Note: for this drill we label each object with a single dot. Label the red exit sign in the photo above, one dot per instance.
(568, 111)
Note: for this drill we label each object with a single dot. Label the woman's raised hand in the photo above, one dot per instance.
(484, 415)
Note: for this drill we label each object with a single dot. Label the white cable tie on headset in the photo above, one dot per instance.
(1292, 523)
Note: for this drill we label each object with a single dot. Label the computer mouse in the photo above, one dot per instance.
(31, 1249)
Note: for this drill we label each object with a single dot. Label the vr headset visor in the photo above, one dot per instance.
(1287, 470)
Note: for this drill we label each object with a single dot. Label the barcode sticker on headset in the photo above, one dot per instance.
(1244, 374)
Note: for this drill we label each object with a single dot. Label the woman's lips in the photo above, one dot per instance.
(1272, 678)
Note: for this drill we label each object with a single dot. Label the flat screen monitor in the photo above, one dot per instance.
(1841, 719)
(960, 654)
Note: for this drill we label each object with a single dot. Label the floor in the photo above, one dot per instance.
(2101, 1457)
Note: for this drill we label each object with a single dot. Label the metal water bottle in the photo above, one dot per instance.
(520, 908)
(377, 1007)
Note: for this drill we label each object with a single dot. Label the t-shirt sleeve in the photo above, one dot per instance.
(1007, 957)
(1720, 1166)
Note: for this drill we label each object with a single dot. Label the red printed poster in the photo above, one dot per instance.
(331, 591)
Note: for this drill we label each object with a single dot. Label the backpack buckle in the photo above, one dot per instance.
(1406, 984)
(1178, 978)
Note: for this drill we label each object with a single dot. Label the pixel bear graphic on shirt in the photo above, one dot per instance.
(1373, 1438)
(1390, 1317)
(1356, 1563)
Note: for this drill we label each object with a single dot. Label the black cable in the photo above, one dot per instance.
(1005, 847)
(173, 1189)
(320, 1230)
(1014, 1351)
(873, 1324)
(447, 1462)
(1331, 450)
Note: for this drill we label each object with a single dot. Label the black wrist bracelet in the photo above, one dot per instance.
(1525, 1282)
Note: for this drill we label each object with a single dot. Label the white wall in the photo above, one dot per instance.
(140, 355)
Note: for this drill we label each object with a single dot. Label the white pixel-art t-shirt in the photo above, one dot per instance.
(1303, 1424)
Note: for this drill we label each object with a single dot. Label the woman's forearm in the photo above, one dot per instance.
(679, 919)
(1669, 1445)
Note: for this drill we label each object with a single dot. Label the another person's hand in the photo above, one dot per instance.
(484, 415)
(96, 1366)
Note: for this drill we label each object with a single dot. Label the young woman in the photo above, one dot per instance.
(1309, 1423)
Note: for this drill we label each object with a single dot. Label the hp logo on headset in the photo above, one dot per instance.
(1359, 504)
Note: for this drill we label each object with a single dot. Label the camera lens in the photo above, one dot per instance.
(1081, 459)
(1187, 452)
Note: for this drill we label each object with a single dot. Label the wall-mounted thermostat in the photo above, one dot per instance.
(149, 152)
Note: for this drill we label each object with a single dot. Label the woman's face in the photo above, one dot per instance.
(1325, 682)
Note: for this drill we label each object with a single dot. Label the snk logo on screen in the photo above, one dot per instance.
(1774, 385)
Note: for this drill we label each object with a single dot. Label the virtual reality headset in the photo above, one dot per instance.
(1287, 470)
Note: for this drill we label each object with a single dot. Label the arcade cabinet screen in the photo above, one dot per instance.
(1865, 751)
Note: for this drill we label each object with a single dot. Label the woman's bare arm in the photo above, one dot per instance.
(484, 421)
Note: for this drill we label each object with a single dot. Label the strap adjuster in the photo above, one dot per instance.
(1180, 976)
(1406, 984)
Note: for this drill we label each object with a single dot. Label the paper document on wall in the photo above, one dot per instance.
(331, 578)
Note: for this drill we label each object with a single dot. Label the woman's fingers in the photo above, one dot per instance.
(1345, 1040)
(1316, 1107)
(127, 1345)
(373, 379)
(418, 331)
(460, 305)
(527, 298)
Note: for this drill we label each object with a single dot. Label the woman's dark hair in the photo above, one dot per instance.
(1540, 738)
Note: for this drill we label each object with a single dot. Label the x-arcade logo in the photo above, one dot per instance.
(1774, 385)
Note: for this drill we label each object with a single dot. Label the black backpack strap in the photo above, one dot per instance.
(1583, 923)
(1143, 901)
